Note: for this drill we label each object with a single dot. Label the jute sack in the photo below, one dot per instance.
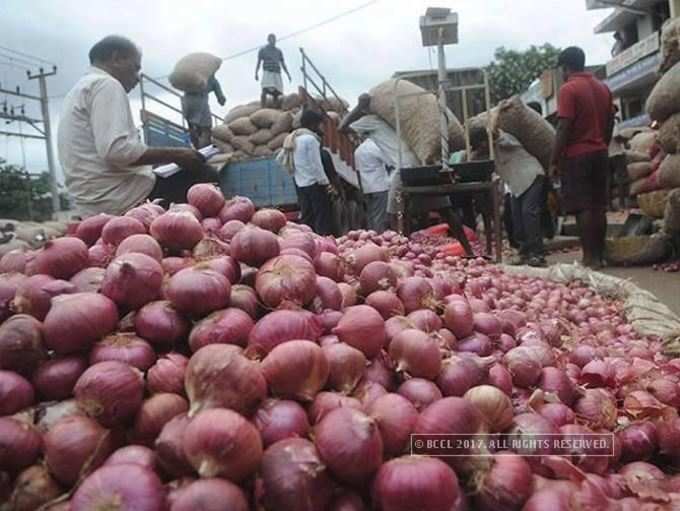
(262, 137)
(262, 150)
(639, 170)
(419, 116)
(456, 134)
(671, 218)
(222, 133)
(192, 72)
(283, 125)
(243, 144)
(669, 171)
(296, 120)
(643, 142)
(645, 184)
(629, 133)
(533, 131)
(664, 100)
(277, 142)
(224, 147)
(668, 136)
(639, 250)
(670, 44)
(242, 127)
(635, 157)
(291, 101)
(265, 117)
(240, 111)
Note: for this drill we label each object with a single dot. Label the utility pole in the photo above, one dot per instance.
(56, 203)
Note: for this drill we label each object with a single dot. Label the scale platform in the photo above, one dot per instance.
(467, 172)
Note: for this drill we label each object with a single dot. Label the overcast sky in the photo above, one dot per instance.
(354, 52)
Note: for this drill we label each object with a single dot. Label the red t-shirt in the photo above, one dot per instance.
(588, 103)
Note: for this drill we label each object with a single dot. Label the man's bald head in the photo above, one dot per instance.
(120, 57)
(105, 50)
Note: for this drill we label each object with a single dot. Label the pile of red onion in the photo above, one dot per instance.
(217, 357)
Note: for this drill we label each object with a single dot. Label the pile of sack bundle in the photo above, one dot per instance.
(25, 235)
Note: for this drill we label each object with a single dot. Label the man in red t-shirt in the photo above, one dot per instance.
(580, 156)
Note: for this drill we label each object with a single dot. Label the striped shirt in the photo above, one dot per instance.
(271, 58)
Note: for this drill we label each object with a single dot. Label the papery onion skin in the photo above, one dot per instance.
(89, 280)
(160, 324)
(281, 326)
(141, 244)
(207, 198)
(198, 292)
(363, 328)
(228, 326)
(34, 295)
(237, 208)
(21, 344)
(270, 219)
(60, 258)
(507, 484)
(286, 279)
(597, 408)
(133, 280)
(167, 374)
(396, 417)
(126, 348)
(169, 447)
(494, 405)
(325, 402)
(420, 392)
(210, 495)
(135, 454)
(121, 227)
(416, 353)
(244, 298)
(55, 379)
(254, 246)
(280, 419)
(16, 393)
(154, 413)
(296, 370)
(20, 444)
(458, 375)
(177, 230)
(346, 366)
(33, 488)
(523, 366)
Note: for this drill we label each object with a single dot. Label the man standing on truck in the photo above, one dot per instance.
(580, 156)
(271, 59)
(106, 166)
(196, 110)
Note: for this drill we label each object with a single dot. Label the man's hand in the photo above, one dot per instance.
(189, 159)
(289, 78)
(222, 100)
(257, 78)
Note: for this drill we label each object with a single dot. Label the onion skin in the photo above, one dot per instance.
(89, 280)
(55, 379)
(638, 441)
(121, 227)
(416, 353)
(160, 324)
(668, 434)
(362, 327)
(244, 298)
(237, 208)
(33, 488)
(133, 280)
(330, 265)
(167, 374)
(8, 287)
(140, 244)
(60, 258)
(597, 408)
(346, 366)
(13, 261)
(294, 477)
(169, 447)
(386, 303)
(16, 393)
(349, 295)
(154, 413)
(111, 392)
(420, 392)
(348, 502)
(270, 219)
(523, 366)
(126, 348)
(280, 419)
(21, 344)
(34, 295)
(415, 482)
(506, 485)
(207, 198)
(228, 326)
(364, 255)
(177, 230)
(20, 444)
(198, 292)
(494, 405)
(377, 276)
(90, 229)
(325, 402)
(254, 246)
(281, 326)
(458, 375)
(500, 377)
(221, 443)
(225, 265)
(450, 415)
(296, 370)
(128, 486)
(135, 454)
(349, 444)
(328, 295)
(556, 381)
(458, 318)
(220, 376)
(210, 495)
(396, 417)
(229, 230)
(286, 280)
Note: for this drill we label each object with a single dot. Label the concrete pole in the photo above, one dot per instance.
(56, 204)
(443, 81)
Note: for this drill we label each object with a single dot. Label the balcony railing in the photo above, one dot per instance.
(630, 56)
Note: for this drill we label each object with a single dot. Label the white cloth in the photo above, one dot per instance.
(370, 163)
(97, 143)
(307, 158)
(271, 80)
(515, 165)
(386, 139)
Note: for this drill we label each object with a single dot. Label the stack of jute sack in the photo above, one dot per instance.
(17, 234)
(643, 158)
(192, 72)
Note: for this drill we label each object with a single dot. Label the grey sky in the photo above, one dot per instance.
(354, 52)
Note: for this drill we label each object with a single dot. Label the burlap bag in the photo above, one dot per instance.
(456, 134)
(643, 142)
(639, 250)
(262, 150)
(222, 133)
(240, 111)
(533, 131)
(224, 147)
(668, 135)
(283, 125)
(664, 100)
(671, 218)
(243, 144)
(639, 170)
(291, 101)
(262, 137)
(636, 157)
(242, 127)
(629, 133)
(277, 142)
(296, 120)
(265, 117)
(645, 184)
(191, 73)
(669, 171)
(670, 44)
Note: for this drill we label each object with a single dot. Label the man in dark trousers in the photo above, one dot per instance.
(580, 156)
(271, 59)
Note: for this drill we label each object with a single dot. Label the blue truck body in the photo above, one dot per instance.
(263, 180)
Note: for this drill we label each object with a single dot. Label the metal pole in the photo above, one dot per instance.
(56, 206)
(675, 8)
(444, 122)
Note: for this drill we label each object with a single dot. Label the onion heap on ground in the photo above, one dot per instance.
(214, 357)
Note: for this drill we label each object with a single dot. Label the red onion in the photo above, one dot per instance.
(254, 246)
(270, 219)
(172, 265)
(75, 446)
(458, 375)
(529, 426)
(665, 390)
(159, 323)
(146, 213)
(284, 325)
(487, 324)
(33, 488)
(395, 325)
(506, 484)
(51, 413)
(557, 413)
(207, 198)
(582, 452)
(475, 343)
(140, 244)
(294, 477)
(35, 293)
(226, 265)
(237, 208)
(380, 370)
(20, 444)
(16, 393)
(416, 293)
(416, 482)
(123, 486)
(330, 265)
(493, 404)
(167, 374)
(597, 408)
(328, 320)
(478, 306)
(328, 295)
(300, 241)
(582, 355)
(346, 366)
(416, 353)
(458, 318)
(186, 208)
(212, 226)
(640, 471)
(597, 373)
(296, 370)
(640, 404)
(386, 303)
(325, 402)
(523, 366)
(668, 435)
(229, 230)
(368, 391)
(638, 441)
(228, 326)
(348, 502)
(450, 415)
(279, 419)
(198, 292)
(377, 276)
(110, 391)
(177, 230)
(365, 254)
(21, 343)
(210, 495)
(124, 347)
(90, 229)
(349, 295)
(55, 379)
(222, 443)
(119, 228)
(296, 252)
(501, 378)
(349, 444)
(219, 375)
(133, 280)
(209, 248)
(89, 280)
(8, 287)
(13, 261)
(425, 320)
(396, 417)
(60, 258)
(169, 447)
(555, 381)
(135, 454)
(363, 328)
(286, 280)
(420, 392)
(154, 413)
(244, 298)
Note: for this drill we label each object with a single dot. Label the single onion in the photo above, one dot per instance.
(90, 229)
(253, 246)
(294, 478)
(387, 303)
(212, 226)
(222, 443)
(395, 325)
(140, 244)
(328, 320)
(16, 393)
(363, 328)
(416, 353)
(325, 402)
(582, 355)
(283, 325)
(167, 374)
(416, 293)
(146, 213)
(296, 370)
(160, 324)
(396, 417)
(368, 391)
(555, 381)
(597, 373)
(557, 413)
(425, 320)
(49, 414)
(21, 344)
(638, 441)
(450, 415)
(501, 378)
(458, 318)
(475, 343)
(377, 276)
(229, 230)
(13, 261)
(668, 435)
(458, 375)
(177, 230)
(527, 429)
(380, 370)
(89, 280)
(55, 379)
(169, 447)
(346, 366)
(349, 444)
(420, 392)
(597, 408)
(110, 391)
(330, 265)
(286, 279)
(124, 347)
(488, 324)
(228, 326)
(299, 241)
(34, 294)
(75, 446)
(20, 444)
(33, 488)
(270, 219)
(328, 295)
(365, 254)
(224, 264)
(125, 486)
(219, 375)
(244, 298)
(506, 484)
(154, 413)
(523, 366)
(133, 280)
(493, 404)
(665, 390)
(210, 495)
(207, 198)
(121, 227)
(583, 452)
(135, 454)
(237, 208)
(172, 265)
(60, 258)
(197, 291)
(278, 419)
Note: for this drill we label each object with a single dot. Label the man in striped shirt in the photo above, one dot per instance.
(271, 59)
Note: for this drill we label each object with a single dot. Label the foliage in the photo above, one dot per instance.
(513, 71)
(24, 196)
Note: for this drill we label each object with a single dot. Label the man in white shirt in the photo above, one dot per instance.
(106, 166)
(375, 182)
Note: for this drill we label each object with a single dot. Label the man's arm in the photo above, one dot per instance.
(217, 89)
(357, 113)
(283, 66)
(313, 154)
(561, 139)
(257, 67)
(184, 157)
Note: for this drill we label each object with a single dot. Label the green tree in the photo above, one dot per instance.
(24, 196)
(512, 71)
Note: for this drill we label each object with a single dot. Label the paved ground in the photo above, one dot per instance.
(665, 286)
